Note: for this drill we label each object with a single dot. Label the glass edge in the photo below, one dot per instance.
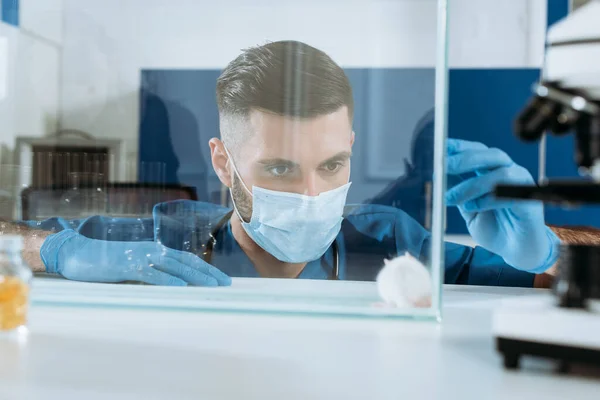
(439, 154)
(427, 314)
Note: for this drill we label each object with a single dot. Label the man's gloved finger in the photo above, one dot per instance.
(222, 278)
(185, 272)
(458, 145)
(477, 160)
(476, 187)
(487, 202)
(199, 264)
(160, 278)
(491, 202)
(453, 180)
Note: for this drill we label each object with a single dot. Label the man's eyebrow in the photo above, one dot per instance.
(341, 156)
(278, 161)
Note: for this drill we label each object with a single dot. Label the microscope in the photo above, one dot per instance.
(564, 325)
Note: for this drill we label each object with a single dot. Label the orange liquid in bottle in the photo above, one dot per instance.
(14, 295)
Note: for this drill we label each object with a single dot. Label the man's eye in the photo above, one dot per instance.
(279, 170)
(333, 166)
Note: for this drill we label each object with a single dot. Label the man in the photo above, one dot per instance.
(285, 112)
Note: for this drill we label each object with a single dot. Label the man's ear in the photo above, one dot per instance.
(352, 139)
(220, 161)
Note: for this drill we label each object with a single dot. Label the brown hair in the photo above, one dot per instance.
(286, 78)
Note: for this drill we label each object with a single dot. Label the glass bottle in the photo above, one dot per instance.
(15, 281)
(86, 196)
(97, 200)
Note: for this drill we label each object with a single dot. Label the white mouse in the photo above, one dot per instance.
(404, 282)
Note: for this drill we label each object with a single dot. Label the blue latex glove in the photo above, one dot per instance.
(77, 257)
(515, 230)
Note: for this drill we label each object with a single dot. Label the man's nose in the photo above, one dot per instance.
(311, 187)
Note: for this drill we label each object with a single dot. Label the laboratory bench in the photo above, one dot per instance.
(106, 351)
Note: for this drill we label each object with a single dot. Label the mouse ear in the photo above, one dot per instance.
(386, 261)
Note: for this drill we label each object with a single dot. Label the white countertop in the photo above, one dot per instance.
(103, 353)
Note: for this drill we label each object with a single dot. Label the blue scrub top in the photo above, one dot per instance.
(370, 233)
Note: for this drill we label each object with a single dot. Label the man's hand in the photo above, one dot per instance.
(77, 257)
(514, 230)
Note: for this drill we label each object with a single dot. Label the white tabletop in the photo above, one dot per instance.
(104, 353)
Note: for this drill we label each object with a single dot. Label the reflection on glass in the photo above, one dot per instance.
(86, 195)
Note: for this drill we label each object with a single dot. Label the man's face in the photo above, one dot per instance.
(305, 156)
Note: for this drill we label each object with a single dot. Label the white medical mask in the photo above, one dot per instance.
(292, 227)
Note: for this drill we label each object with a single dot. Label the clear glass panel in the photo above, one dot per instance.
(290, 146)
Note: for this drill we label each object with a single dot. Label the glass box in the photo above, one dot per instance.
(296, 147)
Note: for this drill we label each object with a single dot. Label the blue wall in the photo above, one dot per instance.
(482, 106)
(9, 10)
